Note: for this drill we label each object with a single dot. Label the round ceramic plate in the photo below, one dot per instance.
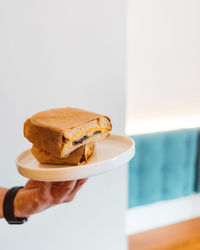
(108, 154)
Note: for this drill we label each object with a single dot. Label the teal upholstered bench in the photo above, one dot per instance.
(164, 167)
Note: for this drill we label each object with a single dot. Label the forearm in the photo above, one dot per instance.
(3, 192)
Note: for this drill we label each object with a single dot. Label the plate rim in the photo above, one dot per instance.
(130, 152)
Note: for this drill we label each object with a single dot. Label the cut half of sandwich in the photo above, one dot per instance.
(79, 156)
(61, 131)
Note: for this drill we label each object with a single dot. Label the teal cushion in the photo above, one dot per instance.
(163, 167)
(197, 182)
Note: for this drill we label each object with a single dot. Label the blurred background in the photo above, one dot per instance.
(135, 61)
(163, 116)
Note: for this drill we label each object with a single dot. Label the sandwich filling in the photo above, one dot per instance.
(83, 138)
(75, 137)
(78, 139)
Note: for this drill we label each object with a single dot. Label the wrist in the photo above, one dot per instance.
(3, 192)
(17, 204)
(8, 207)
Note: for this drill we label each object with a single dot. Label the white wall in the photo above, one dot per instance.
(163, 87)
(163, 49)
(56, 54)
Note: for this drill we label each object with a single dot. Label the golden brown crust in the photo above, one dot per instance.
(46, 129)
(45, 138)
(62, 119)
(77, 157)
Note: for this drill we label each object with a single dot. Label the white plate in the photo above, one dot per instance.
(109, 153)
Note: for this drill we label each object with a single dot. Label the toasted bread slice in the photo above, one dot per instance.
(79, 156)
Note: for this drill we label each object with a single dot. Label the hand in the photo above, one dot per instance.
(37, 196)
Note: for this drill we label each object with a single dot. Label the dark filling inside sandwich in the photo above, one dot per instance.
(97, 132)
(83, 159)
(64, 140)
(80, 140)
(83, 138)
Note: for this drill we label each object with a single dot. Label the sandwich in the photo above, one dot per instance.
(59, 132)
(78, 157)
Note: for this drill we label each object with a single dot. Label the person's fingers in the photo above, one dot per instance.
(61, 191)
(77, 187)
